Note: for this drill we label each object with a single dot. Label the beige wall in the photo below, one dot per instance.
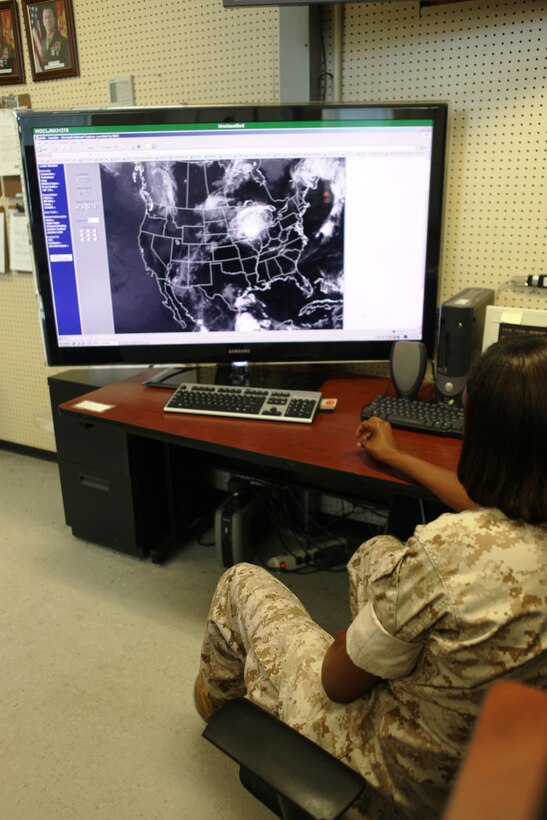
(486, 58)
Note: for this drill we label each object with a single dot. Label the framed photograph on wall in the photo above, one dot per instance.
(11, 57)
(51, 39)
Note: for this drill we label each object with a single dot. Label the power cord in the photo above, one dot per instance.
(315, 548)
(320, 546)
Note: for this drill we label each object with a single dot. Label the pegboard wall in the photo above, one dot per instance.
(487, 58)
(488, 61)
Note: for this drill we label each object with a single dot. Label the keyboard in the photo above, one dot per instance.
(421, 416)
(245, 402)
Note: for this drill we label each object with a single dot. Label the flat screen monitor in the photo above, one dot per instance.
(297, 233)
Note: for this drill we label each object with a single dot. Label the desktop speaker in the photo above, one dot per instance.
(407, 365)
(461, 329)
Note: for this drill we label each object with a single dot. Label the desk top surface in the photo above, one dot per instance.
(327, 444)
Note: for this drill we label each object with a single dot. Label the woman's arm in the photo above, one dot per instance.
(376, 437)
(342, 681)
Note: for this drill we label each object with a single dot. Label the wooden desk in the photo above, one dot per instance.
(321, 456)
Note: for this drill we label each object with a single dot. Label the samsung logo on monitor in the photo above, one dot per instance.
(239, 350)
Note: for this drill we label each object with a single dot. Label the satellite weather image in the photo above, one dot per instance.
(226, 244)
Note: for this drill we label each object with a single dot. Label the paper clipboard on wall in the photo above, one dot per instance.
(20, 250)
(16, 251)
(10, 155)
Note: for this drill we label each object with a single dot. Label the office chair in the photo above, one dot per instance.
(503, 775)
(290, 775)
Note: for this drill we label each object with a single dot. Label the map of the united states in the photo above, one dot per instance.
(246, 244)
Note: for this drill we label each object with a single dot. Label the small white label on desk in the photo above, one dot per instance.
(94, 405)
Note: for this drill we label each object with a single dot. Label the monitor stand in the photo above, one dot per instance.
(283, 377)
(244, 374)
(172, 377)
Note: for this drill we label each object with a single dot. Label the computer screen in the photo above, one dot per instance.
(220, 234)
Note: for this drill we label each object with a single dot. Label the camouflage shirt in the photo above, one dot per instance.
(462, 603)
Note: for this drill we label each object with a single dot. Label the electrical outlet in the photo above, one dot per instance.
(287, 561)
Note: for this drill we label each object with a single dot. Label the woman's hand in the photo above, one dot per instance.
(375, 436)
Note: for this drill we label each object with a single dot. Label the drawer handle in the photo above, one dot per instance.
(94, 483)
(86, 425)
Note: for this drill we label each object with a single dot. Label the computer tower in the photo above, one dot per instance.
(461, 327)
(235, 529)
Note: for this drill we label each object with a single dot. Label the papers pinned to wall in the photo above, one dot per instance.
(10, 155)
(19, 242)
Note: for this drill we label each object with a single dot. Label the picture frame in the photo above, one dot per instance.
(12, 69)
(51, 39)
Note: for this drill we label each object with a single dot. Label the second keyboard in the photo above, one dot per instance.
(245, 402)
(422, 416)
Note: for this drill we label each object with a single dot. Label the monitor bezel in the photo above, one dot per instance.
(199, 353)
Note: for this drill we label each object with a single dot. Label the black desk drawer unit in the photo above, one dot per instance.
(108, 478)
(92, 444)
(99, 507)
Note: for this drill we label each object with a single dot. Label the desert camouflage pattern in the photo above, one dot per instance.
(470, 588)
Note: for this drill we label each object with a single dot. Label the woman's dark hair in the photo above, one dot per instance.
(503, 462)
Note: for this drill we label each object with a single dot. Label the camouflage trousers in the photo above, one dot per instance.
(261, 643)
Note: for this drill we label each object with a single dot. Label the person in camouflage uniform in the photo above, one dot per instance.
(435, 620)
